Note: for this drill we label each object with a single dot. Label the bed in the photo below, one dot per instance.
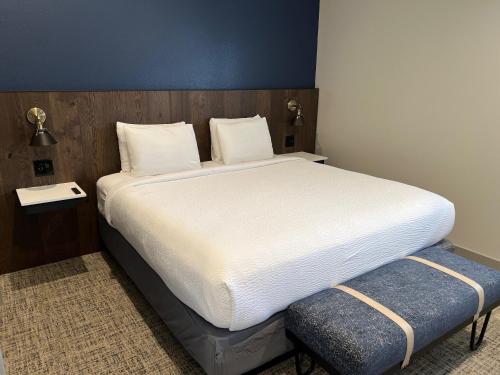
(221, 251)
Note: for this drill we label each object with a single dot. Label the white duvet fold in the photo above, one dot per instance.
(188, 174)
(239, 243)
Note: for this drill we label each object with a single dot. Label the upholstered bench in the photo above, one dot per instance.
(375, 322)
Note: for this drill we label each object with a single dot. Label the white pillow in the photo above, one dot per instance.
(161, 149)
(122, 142)
(214, 122)
(245, 141)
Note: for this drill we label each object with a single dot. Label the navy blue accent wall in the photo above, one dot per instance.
(157, 44)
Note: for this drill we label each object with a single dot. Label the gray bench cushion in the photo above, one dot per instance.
(354, 338)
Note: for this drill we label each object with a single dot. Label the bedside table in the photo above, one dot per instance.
(308, 156)
(38, 199)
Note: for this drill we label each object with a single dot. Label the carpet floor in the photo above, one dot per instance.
(84, 316)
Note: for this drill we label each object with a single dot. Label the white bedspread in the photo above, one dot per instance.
(240, 243)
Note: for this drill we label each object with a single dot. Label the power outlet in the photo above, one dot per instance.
(43, 167)
(290, 141)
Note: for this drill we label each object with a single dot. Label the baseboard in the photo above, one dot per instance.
(472, 255)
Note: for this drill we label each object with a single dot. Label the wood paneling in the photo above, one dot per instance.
(84, 125)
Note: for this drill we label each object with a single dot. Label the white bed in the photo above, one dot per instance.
(239, 243)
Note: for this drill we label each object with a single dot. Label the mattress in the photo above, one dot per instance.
(239, 243)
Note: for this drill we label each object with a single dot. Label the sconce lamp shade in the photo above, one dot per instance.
(298, 118)
(41, 137)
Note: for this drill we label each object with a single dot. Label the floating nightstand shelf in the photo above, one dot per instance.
(38, 199)
(308, 156)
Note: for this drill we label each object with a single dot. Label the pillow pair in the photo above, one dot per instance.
(240, 140)
(147, 150)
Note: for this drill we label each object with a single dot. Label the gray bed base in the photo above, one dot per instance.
(217, 350)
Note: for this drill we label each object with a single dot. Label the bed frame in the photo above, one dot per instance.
(217, 350)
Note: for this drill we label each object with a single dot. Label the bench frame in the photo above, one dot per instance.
(301, 348)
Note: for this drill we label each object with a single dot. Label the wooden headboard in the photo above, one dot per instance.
(84, 125)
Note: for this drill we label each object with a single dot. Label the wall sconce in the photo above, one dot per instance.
(41, 137)
(294, 106)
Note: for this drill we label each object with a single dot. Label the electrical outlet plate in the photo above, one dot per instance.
(43, 167)
(290, 141)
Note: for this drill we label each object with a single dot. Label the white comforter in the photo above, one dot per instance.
(240, 243)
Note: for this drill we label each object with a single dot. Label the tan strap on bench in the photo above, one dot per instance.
(407, 329)
(479, 289)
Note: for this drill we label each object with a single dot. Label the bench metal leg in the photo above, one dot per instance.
(299, 361)
(473, 343)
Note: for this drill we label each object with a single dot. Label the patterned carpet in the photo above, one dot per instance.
(84, 316)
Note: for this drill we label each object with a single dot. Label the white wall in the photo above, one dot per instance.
(410, 91)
